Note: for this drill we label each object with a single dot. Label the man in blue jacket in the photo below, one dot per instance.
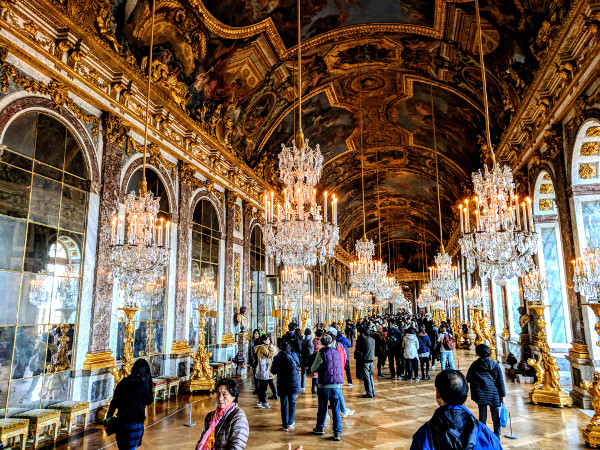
(452, 426)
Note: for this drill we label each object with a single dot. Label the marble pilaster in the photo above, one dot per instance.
(182, 261)
(229, 241)
(100, 320)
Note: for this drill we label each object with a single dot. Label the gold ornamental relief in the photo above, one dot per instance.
(593, 132)
(546, 188)
(588, 171)
(546, 204)
(547, 177)
(590, 148)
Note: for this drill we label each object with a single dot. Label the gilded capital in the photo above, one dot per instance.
(230, 199)
(115, 129)
(187, 174)
(248, 210)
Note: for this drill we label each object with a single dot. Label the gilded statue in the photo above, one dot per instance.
(540, 372)
(201, 368)
(62, 357)
(104, 19)
(593, 388)
(552, 375)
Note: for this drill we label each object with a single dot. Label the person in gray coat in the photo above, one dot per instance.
(366, 349)
(227, 426)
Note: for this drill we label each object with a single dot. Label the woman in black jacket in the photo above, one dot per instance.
(132, 395)
(487, 386)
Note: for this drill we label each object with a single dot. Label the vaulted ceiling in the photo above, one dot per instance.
(234, 64)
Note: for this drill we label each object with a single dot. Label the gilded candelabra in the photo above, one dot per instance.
(127, 360)
(62, 355)
(591, 433)
(287, 319)
(547, 388)
(476, 324)
(201, 376)
(488, 331)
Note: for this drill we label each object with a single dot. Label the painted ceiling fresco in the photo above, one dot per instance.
(231, 65)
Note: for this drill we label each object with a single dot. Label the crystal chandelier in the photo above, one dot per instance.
(67, 289)
(140, 243)
(534, 287)
(398, 299)
(474, 297)
(40, 289)
(426, 296)
(385, 289)
(587, 273)
(502, 240)
(299, 233)
(366, 274)
(444, 276)
(294, 283)
(203, 292)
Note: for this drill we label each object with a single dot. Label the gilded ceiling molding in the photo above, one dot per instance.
(122, 64)
(355, 31)
(557, 81)
(55, 89)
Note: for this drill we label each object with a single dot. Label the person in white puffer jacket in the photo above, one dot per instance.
(411, 353)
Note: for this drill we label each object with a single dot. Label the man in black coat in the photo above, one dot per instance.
(487, 386)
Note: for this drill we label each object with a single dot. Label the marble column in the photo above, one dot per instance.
(182, 265)
(99, 353)
(247, 230)
(229, 240)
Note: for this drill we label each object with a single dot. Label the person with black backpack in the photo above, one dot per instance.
(307, 349)
(424, 350)
(446, 342)
(394, 345)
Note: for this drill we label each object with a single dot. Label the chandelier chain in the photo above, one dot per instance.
(484, 82)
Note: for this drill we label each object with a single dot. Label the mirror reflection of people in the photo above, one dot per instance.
(227, 426)
(132, 395)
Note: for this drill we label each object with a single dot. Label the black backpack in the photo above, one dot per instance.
(304, 354)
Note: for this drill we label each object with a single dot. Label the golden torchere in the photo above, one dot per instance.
(201, 376)
(591, 433)
(127, 360)
(547, 388)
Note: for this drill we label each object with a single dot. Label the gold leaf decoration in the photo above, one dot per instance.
(587, 171)
(590, 148)
(56, 90)
(547, 177)
(546, 188)
(593, 132)
(546, 204)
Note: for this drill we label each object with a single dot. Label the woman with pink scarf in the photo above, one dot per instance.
(227, 426)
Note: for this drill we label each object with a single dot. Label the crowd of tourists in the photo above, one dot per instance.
(410, 346)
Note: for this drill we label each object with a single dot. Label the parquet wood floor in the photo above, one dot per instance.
(386, 422)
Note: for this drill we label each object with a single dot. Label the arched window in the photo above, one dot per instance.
(257, 280)
(43, 210)
(205, 257)
(586, 184)
(550, 258)
(149, 322)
